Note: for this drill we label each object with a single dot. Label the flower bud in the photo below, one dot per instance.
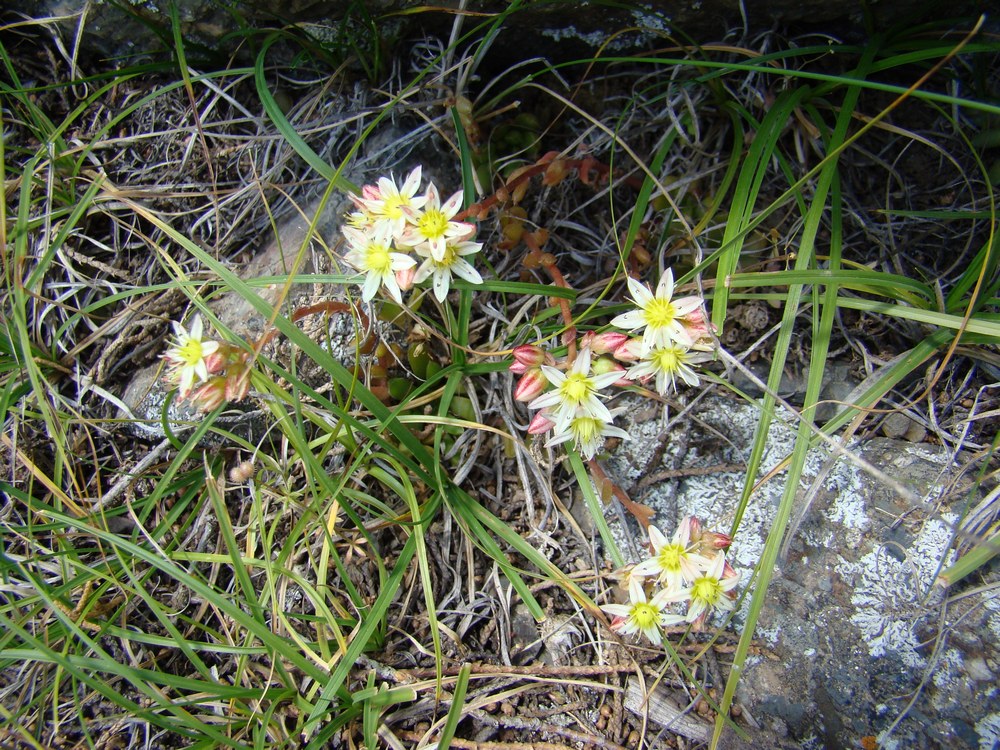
(715, 540)
(607, 342)
(532, 356)
(698, 328)
(531, 385)
(629, 351)
(210, 395)
(603, 365)
(540, 423)
(216, 361)
(728, 571)
(404, 278)
(237, 384)
(691, 525)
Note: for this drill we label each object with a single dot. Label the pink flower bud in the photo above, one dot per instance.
(532, 356)
(405, 278)
(540, 423)
(728, 571)
(607, 342)
(629, 351)
(210, 395)
(698, 327)
(237, 385)
(216, 361)
(691, 525)
(715, 540)
(706, 542)
(531, 385)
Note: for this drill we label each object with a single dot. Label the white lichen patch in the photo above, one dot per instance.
(888, 592)
(647, 18)
(593, 38)
(848, 507)
(993, 622)
(988, 730)
(948, 667)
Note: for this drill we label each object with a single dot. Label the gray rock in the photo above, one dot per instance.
(555, 30)
(858, 644)
(146, 394)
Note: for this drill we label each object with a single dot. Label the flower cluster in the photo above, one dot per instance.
(390, 222)
(690, 567)
(675, 336)
(207, 373)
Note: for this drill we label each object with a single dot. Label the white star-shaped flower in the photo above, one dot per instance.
(453, 262)
(187, 356)
(576, 393)
(658, 314)
(371, 253)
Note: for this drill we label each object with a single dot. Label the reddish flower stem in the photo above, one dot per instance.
(642, 513)
(569, 337)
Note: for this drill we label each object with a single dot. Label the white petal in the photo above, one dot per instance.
(386, 187)
(464, 270)
(439, 246)
(433, 199)
(412, 182)
(629, 321)
(581, 365)
(390, 283)
(442, 281)
(656, 537)
(451, 206)
(648, 567)
(640, 292)
(618, 610)
(635, 591)
(685, 305)
(557, 439)
(467, 248)
(612, 431)
(371, 285)
(603, 381)
(546, 399)
(425, 270)
(400, 262)
(594, 408)
(554, 376)
(665, 289)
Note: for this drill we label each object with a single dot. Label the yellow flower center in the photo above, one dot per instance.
(191, 353)
(659, 313)
(668, 359)
(669, 556)
(575, 388)
(644, 615)
(358, 219)
(433, 224)
(706, 589)
(377, 259)
(450, 256)
(587, 429)
(393, 206)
